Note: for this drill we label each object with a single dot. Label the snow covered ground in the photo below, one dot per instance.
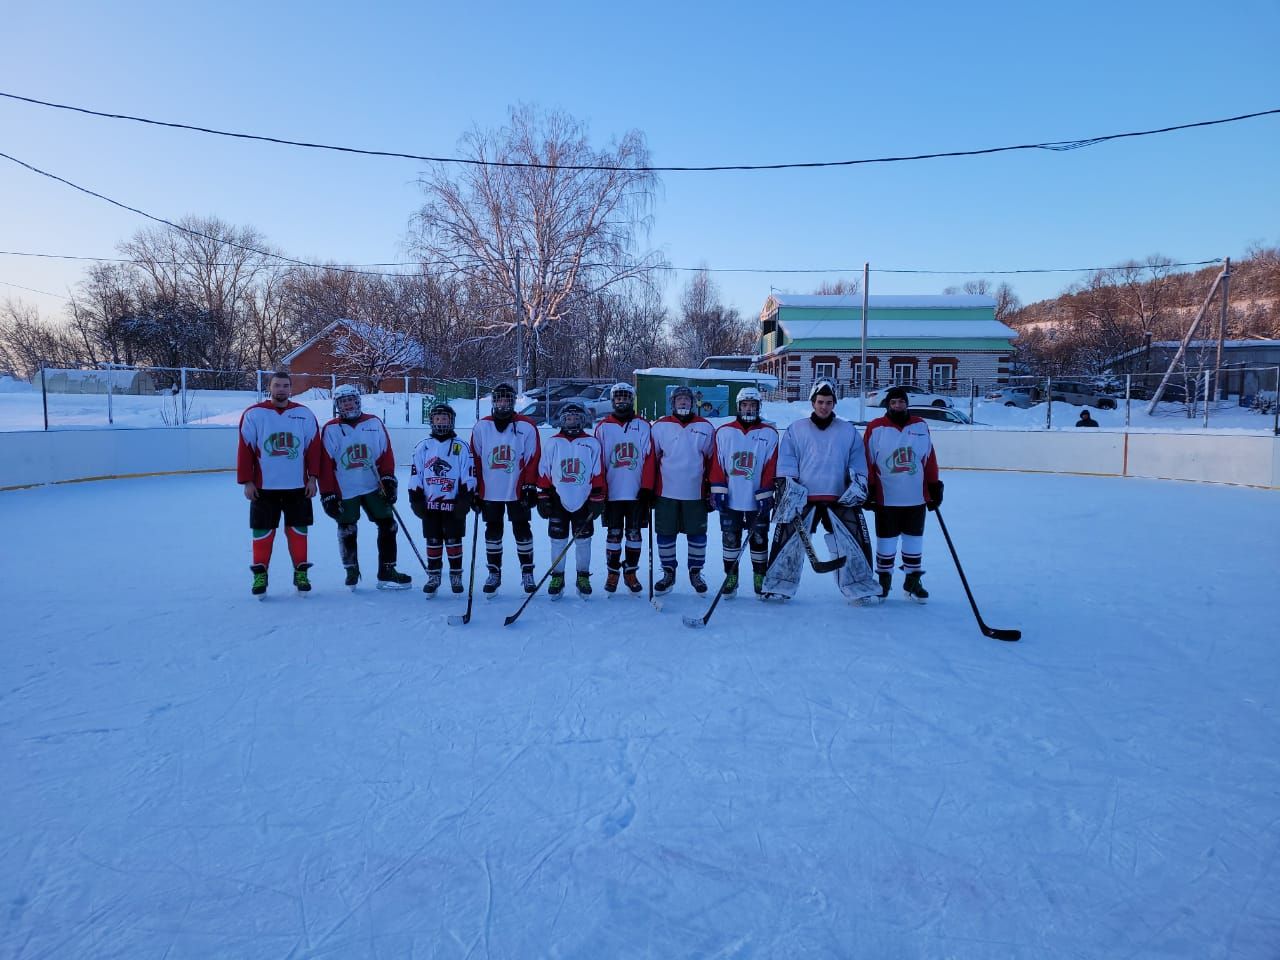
(22, 409)
(190, 773)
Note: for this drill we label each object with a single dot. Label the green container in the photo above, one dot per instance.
(714, 395)
(445, 391)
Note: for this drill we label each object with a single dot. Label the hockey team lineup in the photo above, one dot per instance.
(666, 477)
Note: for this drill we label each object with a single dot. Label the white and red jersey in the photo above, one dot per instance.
(682, 456)
(506, 459)
(278, 449)
(744, 464)
(571, 466)
(824, 459)
(627, 451)
(440, 468)
(357, 453)
(902, 462)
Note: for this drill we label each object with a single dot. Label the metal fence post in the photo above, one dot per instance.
(44, 395)
(973, 391)
(1128, 398)
(1206, 397)
(257, 382)
(333, 383)
(1048, 406)
(406, 400)
(476, 381)
(111, 386)
(182, 399)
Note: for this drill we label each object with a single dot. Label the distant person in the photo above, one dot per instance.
(1086, 420)
(278, 464)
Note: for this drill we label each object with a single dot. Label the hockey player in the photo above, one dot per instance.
(903, 481)
(742, 474)
(682, 445)
(358, 471)
(571, 494)
(625, 446)
(278, 464)
(825, 455)
(442, 481)
(506, 451)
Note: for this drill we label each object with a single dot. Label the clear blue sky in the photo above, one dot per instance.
(706, 83)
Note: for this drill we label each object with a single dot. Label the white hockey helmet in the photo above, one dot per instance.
(822, 386)
(623, 397)
(748, 395)
(346, 401)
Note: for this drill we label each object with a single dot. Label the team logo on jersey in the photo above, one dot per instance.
(439, 467)
(742, 464)
(625, 455)
(502, 458)
(283, 445)
(902, 460)
(573, 471)
(356, 457)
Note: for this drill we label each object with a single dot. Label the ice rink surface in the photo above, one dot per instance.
(190, 773)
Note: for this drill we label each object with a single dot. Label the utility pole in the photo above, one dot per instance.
(519, 332)
(1222, 334)
(862, 371)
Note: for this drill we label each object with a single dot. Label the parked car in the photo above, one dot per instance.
(1016, 396)
(1081, 394)
(916, 397)
(945, 415)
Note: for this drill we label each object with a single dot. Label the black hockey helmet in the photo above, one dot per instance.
(442, 419)
(679, 392)
(573, 417)
(503, 400)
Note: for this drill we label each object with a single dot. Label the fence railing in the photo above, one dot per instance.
(121, 395)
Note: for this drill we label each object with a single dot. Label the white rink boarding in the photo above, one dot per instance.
(63, 456)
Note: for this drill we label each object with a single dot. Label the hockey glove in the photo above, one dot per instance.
(595, 506)
(719, 500)
(462, 502)
(544, 504)
(856, 493)
(644, 497)
(935, 495)
(389, 488)
(418, 502)
(477, 505)
(331, 504)
(529, 493)
(764, 502)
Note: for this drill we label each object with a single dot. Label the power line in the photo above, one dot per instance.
(1055, 145)
(751, 270)
(34, 290)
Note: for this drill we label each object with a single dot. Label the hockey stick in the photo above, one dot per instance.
(554, 563)
(456, 620)
(993, 632)
(702, 620)
(399, 520)
(657, 604)
(819, 565)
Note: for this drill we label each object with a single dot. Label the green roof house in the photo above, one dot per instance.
(939, 342)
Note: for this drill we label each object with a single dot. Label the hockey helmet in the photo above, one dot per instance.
(623, 397)
(573, 417)
(442, 418)
(822, 387)
(896, 393)
(504, 400)
(751, 397)
(681, 393)
(346, 402)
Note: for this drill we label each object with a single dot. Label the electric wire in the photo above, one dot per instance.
(1054, 145)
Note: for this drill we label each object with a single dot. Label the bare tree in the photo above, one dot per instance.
(839, 288)
(574, 231)
(706, 326)
(27, 343)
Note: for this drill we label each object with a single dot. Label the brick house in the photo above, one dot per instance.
(349, 351)
(939, 342)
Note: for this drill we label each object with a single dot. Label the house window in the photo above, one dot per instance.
(864, 373)
(824, 370)
(904, 372)
(941, 375)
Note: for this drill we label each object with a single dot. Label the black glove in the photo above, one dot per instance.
(644, 497)
(418, 502)
(389, 487)
(779, 484)
(477, 505)
(544, 504)
(529, 493)
(462, 502)
(595, 507)
(331, 504)
(935, 495)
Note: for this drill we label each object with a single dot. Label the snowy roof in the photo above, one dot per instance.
(400, 347)
(1196, 345)
(881, 329)
(706, 373)
(960, 301)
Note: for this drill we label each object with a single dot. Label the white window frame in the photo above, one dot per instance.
(899, 377)
(824, 371)
(864, 373)
(938, 382)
